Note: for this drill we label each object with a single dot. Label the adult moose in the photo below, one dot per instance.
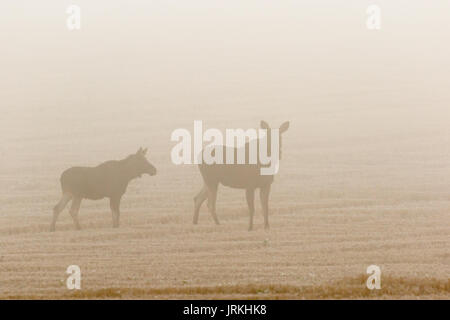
(107, 180)
(240, 176)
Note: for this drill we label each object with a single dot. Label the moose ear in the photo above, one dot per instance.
(144, 151)
(139, 151)
(284, 127)
(264, 125)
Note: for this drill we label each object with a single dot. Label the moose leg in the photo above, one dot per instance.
(66, 197)
(250, 195)
(74, 209)
(198, 201)
(212, 196)
(264, 195)
(114, 203)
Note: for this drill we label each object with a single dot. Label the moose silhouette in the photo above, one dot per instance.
(107, 180)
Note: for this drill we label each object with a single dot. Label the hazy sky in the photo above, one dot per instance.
(139, 51)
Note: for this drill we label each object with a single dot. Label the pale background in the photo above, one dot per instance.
(365, 176)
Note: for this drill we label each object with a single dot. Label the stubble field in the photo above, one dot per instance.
(339, 204)
(365, 174)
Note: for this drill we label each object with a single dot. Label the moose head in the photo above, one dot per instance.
(139, 164)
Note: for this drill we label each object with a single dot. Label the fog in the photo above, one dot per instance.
(365, 160)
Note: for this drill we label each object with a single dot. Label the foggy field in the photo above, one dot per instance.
(364, 177)
(334, 211)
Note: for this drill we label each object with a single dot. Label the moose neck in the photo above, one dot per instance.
(128, 171)
(268, 153)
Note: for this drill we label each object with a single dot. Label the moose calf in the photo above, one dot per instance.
(107, 180)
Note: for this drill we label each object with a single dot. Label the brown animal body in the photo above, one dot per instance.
(107, 180)
(240, 176)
